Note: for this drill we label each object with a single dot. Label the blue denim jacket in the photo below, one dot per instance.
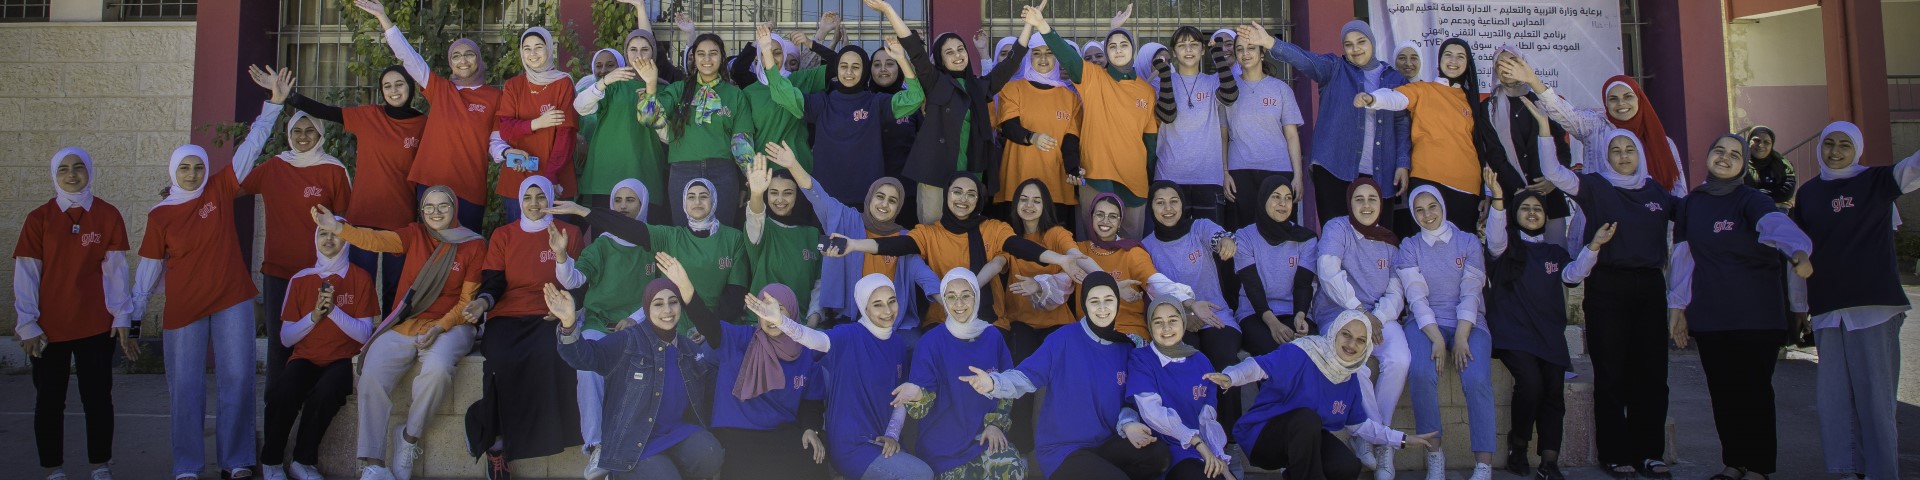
(1338, 126)
(632, 360)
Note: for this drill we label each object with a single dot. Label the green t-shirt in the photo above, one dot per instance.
(616, 274)
(620, 147)
(709, 131)
(773, 122)
(787, 256)
(712, 263)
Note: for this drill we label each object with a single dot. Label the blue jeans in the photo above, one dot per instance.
(1857, 377)
(230, 334)
(697, 457)
(900, 466)
(383, 266)
(1476, 382)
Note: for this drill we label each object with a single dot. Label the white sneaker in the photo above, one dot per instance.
(301, 471)
(62, 475)
(1361, 449)
(1436, 466)
(1482, 471)
(102, 473)
(273, 472)
(404, 453)
(593, 470)
(375, 472)
(1387, 465)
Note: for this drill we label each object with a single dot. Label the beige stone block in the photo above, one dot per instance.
(156, 147)
(32, 80)
(165, 79)
(180, 111)
(338, 456)
(19, 36)
(98, 80)
(444, 449)
(467, 382)
(106, 147)
(13, 116)
(81, 44)
(60, 114)
(159, 43)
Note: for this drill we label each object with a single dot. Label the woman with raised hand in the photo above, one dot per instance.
(1040, 120)
(527, 407)
(1125, 260)
(1195, 88)
(838, 275)
(1349, 141)
(962, 435)
(1312, 389)
(1118, 130)
(1355, 267)
(615, 268)
(454, 144)
(657, 428)
(783, 234)
(957, 134)
(771, 56)
(1856, 303)
(704, 118)
(1627, 108)
(328, 317)
(534, 133)
(850, 120)
(864, 362)
(1444, 272)
(1512, 152)
(759, 396)
(886, 75)
(426, 327)
(71, 304)
(720, 250)
(1263, 133)
(1626, 334)
(618, 146)
(1450, 133)
(1731, 250)
(1088, 431)
(1167, 381)
(386, 135)
(1274, 260)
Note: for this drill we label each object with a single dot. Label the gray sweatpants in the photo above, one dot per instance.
(1859, 377)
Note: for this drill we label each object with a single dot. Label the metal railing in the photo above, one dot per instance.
(152, 10)
(1084, 20)
(1903, 94)
(24, 10)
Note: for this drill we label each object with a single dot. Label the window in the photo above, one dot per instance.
(1631, 23)
(1084, 20)
(152, 10)
(23, 10)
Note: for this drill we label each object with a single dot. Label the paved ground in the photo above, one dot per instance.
(141, 402)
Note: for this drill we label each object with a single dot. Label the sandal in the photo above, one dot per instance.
(1618, 470)
(1738, 473)
(1655, 469)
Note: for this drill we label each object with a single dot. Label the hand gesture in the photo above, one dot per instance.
(1226, 248)
(683, 22)
(1232, 190)
(129, 347)
(800, 41)
(323, 218)
(835, 252)
(1129, 290)
(378, 10)
(264, 77)
(549, 119)
(1024, 286)
(1602, 235)
(618, 75)
(1255, 34)
(829, 22)
(894, 49)
(993, 438)
(1280, 331)
(1677, 326)
(1541, 186)
(888, 446)
(1516, 68)
(673, 271)
(782, 155)
(979, 380)
(758, 176)
(766, 308)
(1424, 440)
(980, 43)
(1119, 18)
(1221, 379)
(1078, 266)
(323, 304)
(1362, 100)
(810, 440)
(1138, 434)
(563, 207)
(1493, 183)
(649, 72)
(1203, 311)
(475, 310)
(906, 393)
(34, 346)
(881, 6)
(557, 241)
(1043, 141)
(1375, 321)
(560, 305)
(1035, 16)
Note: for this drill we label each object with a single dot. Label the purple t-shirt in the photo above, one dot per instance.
(1190, 147)
(1257, 140)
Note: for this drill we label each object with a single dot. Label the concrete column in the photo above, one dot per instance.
(1684, 52)
(1857, 73)
(958, 16)
(76, 10)
(228, 37)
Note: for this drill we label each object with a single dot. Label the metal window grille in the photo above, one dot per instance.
(315, 41)
(1082, 20)
(152, 10)
(23, 10)
(734, 20)
(1631, 23)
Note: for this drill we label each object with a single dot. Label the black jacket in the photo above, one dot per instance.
(936, 149)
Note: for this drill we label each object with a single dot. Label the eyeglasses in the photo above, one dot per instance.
(436, 208)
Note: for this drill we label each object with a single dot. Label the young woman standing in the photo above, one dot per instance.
(1627, 107)
(454, 145)
(1040, 119)
(1263, 135)
(849, 121)
(328, 316)
(838, 275)
(70, 299)
(1190, 106)
(703, 116)
(1030, 310)
(783, 234)
(1355, 267)
(1447, 132)
(1118, 133)
(615, 268)
(534, 124)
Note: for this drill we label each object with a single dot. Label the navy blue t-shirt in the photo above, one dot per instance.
(1529, 314)
(1738, 282)
(1851, 224)
(1643, 214)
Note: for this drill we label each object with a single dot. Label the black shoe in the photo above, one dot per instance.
(1655, 469)
(497, 466)
(1517, 462)
(1549, 471)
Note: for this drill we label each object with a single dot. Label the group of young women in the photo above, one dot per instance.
(1114, 225)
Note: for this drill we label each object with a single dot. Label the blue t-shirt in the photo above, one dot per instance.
(1442, 265)
(1529, 314)
(1738, 282)
(672, 426)
(768, 411)
(1294, 382)
(1182, 387)
(1190, 147)
(1851, 224)
(1643, 214)
(1258, 120)
(958, 413)
(862, 371)
(1085, 379)
(1190, 261)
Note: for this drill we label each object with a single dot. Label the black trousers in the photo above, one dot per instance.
(1627, 339)
(1022, 341)
(1539, 400)
(1257, 339)
(1189, 469)
(1463, 209)
(1113, 460)
(1297, 442)
(90, 359)
(1248, 205)
(1222, 348)
(273, 290)
(776, 454)
(1739, 366)
(309, 394)
(1330, 194)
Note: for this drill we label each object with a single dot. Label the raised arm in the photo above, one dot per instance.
(411, 60)
(1003, 72)
(768, 311)
(315, 108)
(280, 83)
(893, 18)
(1317, 67)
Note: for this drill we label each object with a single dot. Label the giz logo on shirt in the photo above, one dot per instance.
(1269, 102)
(89, 239)
(1200, 96)
(1120, 378)
(1339, 407)
(799, 382)
(546, 256)
(1200, 391)
(410, 142)
(1193, 256)
(1722, 226)
(1653, 206)
(808, 254)
(860, 115)
(1553, 267)
(343, 299)
(1140, 103)
(725, 263)
(456, 267)
(1381, 263)
(312, 191)
(1842, 202)
(207, 209)
(1062, 115)
(1459, 262)
(1293, 261)
(476, 108)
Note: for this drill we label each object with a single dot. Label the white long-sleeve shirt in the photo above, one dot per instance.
(26, 293)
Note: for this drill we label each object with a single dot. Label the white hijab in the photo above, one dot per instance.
(324, 266)
(1326, 355)
(175, 194)
(970, 327)
(313, 156)
(863, 291)
(1233, 57)
(1854, 168)
(787, 51)
(83, 199)
(1026, 67)
(1421, 76)
(546, 186)
(1630, 182)
(1445, 232)
(542, 74)
(590, 79)
(639, 190)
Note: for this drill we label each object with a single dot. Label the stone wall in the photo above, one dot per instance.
(121, 90)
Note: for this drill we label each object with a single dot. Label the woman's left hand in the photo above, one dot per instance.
(888, 446)
(1203, 310)
(993, 438)
(1227, 248)
(1802, 266)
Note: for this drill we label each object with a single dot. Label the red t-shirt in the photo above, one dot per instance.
(205, 272)
(384, 148)
(453, 148)
(71, 245)
(352, 295)
(525, 101)
(290, 193)
(528, 264)
(467, 257)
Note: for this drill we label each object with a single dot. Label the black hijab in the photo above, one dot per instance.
(899, 81)
(1486, 140)
(1110, 332)
(1511, 264)
(866, 73)
(941, 64)
(802, 213)
(1720, 187)
(1046, 221)
(405, 111)
(1180, 228)
(1276, 232)
(954, 223)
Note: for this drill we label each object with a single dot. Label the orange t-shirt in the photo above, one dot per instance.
(1129, 264)
(945, 251)
(1442, 135)
(1019, 308)
(880, 264)
(529, 266)
(383, 152)
(1053, 111)
(205, 273)
(453, 148)
(71, 245)
(418, 248)
(1117, 114)
(290, 194)
(352, 295)
(525, 101)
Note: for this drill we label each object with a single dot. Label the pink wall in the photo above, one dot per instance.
(1794, 113)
